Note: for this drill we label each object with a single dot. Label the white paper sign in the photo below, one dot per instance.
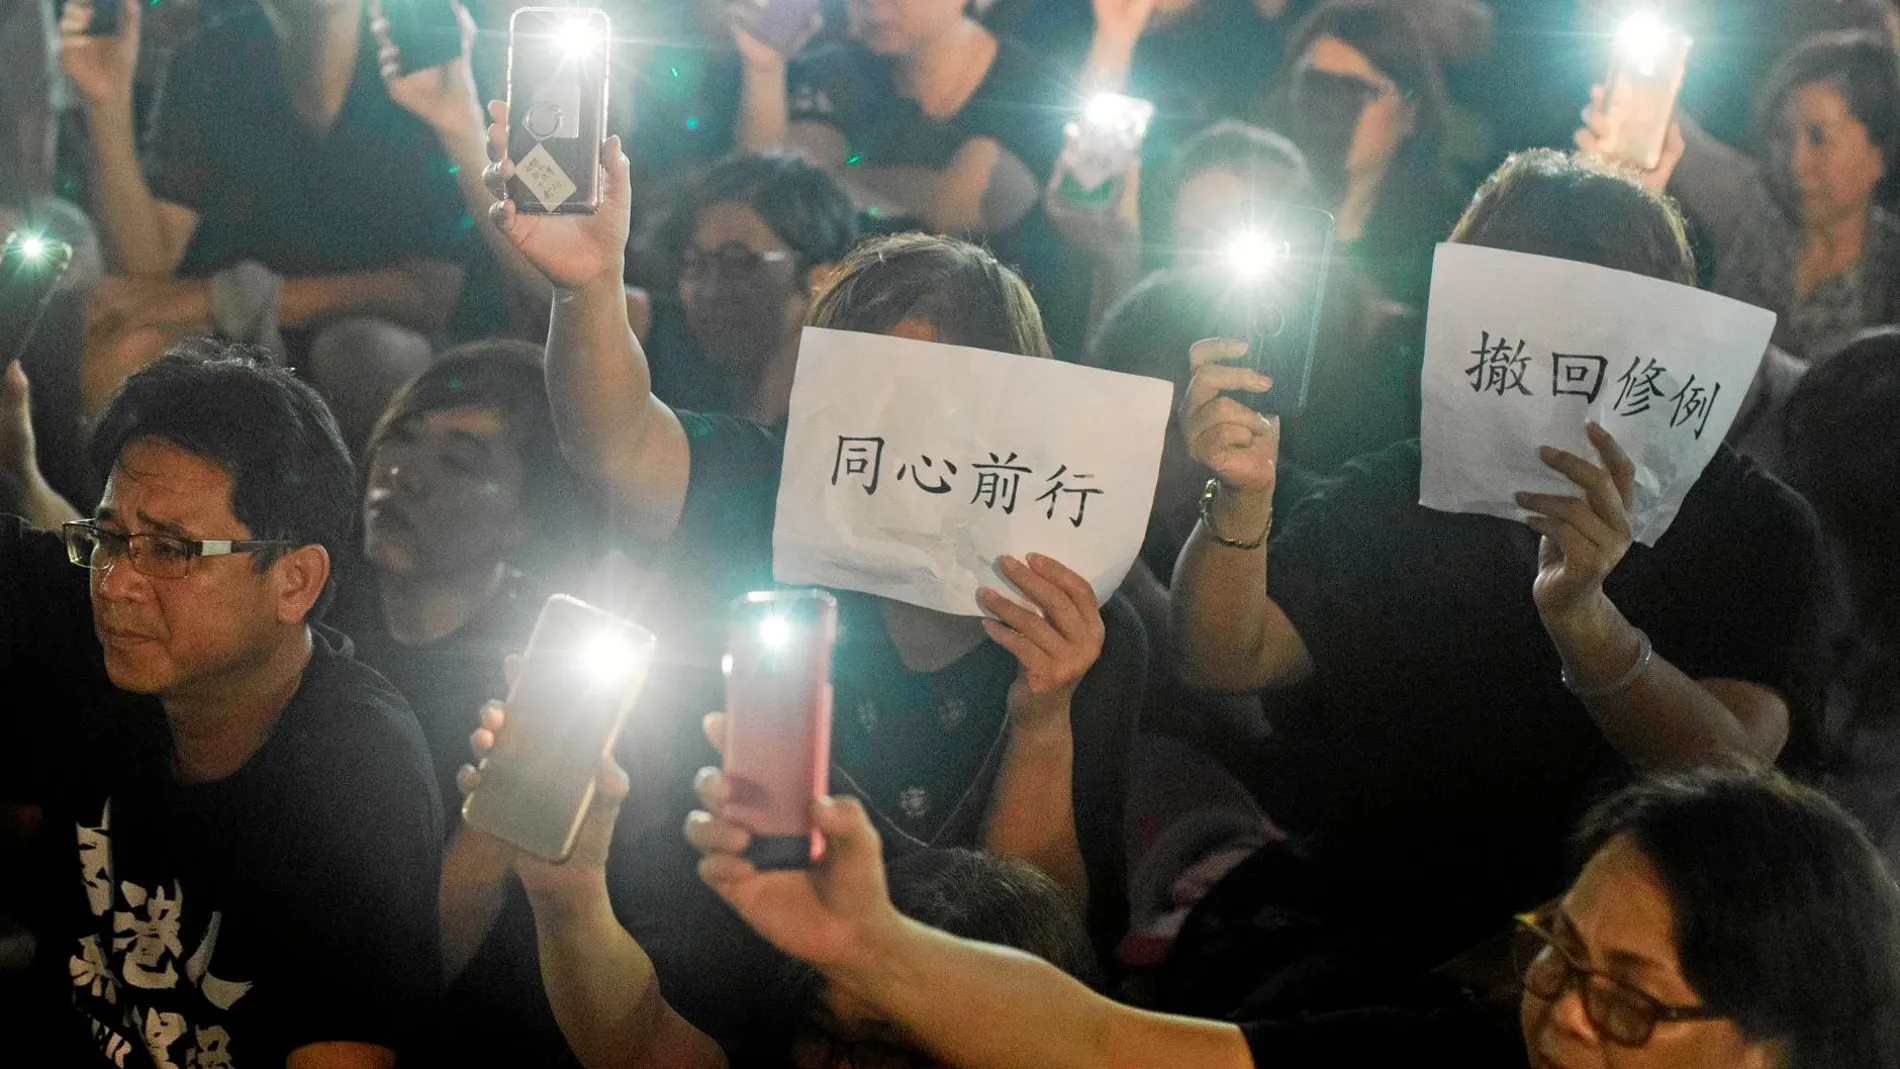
(1522, 351)
(910, 467)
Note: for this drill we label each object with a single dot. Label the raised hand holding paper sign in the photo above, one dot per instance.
(911, 467)
(1525, 351)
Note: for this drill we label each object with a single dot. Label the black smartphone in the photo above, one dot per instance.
(778, 721)
(425, 31)
(557, 108)
(31, 266)
(1273, 273)
(107, 18)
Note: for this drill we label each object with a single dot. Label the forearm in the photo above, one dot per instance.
(1110, 60)
(529, 289)
(1664, 719)
(764, 112)
(45, 509)
(475, 875)
(605, 995)
(1229, 635)
(422, 296)
(123, 201)
(978, 1006)
(1032, 810)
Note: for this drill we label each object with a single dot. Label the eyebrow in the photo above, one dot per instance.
(1625, 959)
(106, 515)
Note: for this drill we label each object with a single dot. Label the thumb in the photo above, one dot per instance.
(849, 836)
(16, 387)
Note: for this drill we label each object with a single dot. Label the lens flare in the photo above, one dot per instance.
(574, 39)
(32, 248)
(775, 632)
(1642, 40)
(1253, 255)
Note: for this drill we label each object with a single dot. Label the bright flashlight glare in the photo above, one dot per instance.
(1643, 38)
(574, 39)
(32, 248)
(1252, 255)
(608, 659)
(1105, 109)
(775, 632)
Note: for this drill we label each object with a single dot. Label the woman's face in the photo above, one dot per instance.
(901, 27)
(1825, 154)
(1618, 919)
(744, 291)
(444, 495)
(1387, 118)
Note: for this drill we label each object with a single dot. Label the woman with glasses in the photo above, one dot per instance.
(746, 246)
(1724, 918)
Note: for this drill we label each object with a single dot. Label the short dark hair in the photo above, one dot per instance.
(1787, 919)
(1842, 428)
(507, 375)
(1395, 42)
(955, 286)
(801, 203)
(1860, 65)
(994, 899)
(1253, 152)
(1547, 203)
(291, 475)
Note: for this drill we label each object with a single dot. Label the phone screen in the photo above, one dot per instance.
(580, 675)
(1639, 94)
(1274, 278)
(425, 31)
(557, 108)
(30, 268)
(778, 721)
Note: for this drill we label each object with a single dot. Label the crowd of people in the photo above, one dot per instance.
(318, 417)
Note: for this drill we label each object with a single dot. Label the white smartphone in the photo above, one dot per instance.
(1639, 93)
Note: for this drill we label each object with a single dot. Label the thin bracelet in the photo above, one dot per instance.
(1207, 520)
(1645, 656)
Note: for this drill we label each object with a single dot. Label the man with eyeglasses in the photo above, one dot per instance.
(249, 811)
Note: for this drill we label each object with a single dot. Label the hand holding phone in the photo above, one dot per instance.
(1639, 94)
(777, 753)
(557, 108)
(579, 677)
(99, 48)
(784, 26)
(1274, 274)
(31, 266)
(1099, 147)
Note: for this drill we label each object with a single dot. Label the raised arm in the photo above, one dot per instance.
(969, 1004)
(623, 439)
(148, 234)
(764, 110)
(1229, 635)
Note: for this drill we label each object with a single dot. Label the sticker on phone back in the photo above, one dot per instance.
(545, 178)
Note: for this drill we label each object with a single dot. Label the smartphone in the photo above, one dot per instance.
(31, 266)
(778, 24)
(425, 31)
(580, 675)
(778, 721)
(1639, 95)
(107, 17)
(1273, 278)
(1099, 146)
(557, 108)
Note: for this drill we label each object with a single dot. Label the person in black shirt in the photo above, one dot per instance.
(1474, 688)
(253, 829)
(280, 187)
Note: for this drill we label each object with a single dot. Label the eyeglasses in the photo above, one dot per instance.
(1620, 1013)
(730, 261)
(153, 555)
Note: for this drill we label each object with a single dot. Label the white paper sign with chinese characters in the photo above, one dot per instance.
(1522, 351)
(910, 467)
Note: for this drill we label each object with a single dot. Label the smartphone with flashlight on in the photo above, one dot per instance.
(1639, 93)
(580, 676)
(424, 31)
(1099, 146)
(31, 266)
(557, 108)
(778, 721)
(1274, 278)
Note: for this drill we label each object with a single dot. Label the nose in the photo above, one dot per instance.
(119, 581)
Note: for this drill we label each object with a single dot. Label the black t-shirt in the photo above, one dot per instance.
(228, 923)
(1389, 1037)
(1440, 762)
(373, 192)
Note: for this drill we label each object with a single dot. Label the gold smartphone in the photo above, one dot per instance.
(580, 676)
(1639, 94)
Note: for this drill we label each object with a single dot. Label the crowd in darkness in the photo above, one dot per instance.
(316, 420)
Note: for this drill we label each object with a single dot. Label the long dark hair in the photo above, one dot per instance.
(1787, 919)
(1861, 66)
(802, 205)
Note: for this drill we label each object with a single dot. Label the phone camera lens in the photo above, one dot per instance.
(543, 120)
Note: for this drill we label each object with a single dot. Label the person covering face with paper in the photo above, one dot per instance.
(1006, 731)
(1466, 721)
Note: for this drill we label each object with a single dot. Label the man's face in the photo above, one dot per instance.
(901, 27)
(179, 637)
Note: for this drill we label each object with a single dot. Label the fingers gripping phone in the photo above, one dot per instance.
(1275, 271)
(425, 31)
(1639, 93)
(31, 266)
(581, 673)
(107, 18)
(1099, 146)
(557, 108)
(778, 721)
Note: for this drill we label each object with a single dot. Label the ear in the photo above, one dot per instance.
(298, 578)
(819, 277)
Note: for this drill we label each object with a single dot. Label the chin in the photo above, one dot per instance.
(137, 672)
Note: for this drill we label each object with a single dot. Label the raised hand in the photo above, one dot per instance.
(742, 17)
(1054, 649)
(16, 424)
(101, 67)
(1599, 130)
(1584, 538)
(1240, 445)
(443, 96)
(571, 250)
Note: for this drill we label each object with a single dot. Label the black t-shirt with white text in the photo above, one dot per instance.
(221, 925)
